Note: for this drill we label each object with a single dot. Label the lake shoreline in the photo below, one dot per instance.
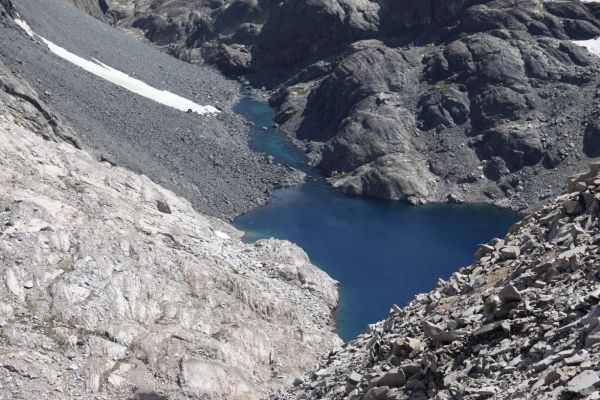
(405, 249)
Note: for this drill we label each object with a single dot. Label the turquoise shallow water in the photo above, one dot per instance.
(381, 252)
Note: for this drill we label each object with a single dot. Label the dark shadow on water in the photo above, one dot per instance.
(381, 252)
(266, 138)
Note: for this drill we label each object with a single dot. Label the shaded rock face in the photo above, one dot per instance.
(484, 103)
(96, 8)
(521, 322)
(591, 138)
(112, 286)
(486, 94)
(329, 25)
(198, 31)
(20, 103)
(6, 9)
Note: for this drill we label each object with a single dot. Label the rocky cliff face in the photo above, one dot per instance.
(96, 8)
(6, 8)
(113, 287)
(489, 104)
(521, 322)
(419, 100)
(21, 103)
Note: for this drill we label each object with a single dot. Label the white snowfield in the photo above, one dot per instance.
(122, 79)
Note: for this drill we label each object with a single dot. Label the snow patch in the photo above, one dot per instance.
(122, 79)
(222, 235)
(593, 45)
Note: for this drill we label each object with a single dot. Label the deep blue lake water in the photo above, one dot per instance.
(381, 252)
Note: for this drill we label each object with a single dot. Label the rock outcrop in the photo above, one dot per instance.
(521, 322)
(97, 8)
(113, 287)
(6, 9)
(487, 101)
(19, 100)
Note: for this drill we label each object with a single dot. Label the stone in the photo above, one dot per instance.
(573, 207)
(28, 284)
(354, 378)
(568, 254)
(592, 339)
(510, 252)
(435, 332)
(163, 207)
(545, 363)
(585, 383)
(509, 294)
(477, 282)
(484, 250)
(576, 359)
(483, 392)
(491, 304)
(555, 375)
(394, 378)
(488, 328)
(395, 309)
(376, 393)
(407, 347)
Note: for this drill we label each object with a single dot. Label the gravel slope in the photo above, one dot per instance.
(205, 159)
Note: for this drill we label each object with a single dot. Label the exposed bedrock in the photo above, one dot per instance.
(6, 9)
(495, 103)
(97, 8)
(113, 287)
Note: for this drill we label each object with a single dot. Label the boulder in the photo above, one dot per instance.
(407, 347)
(585, 383)
(393, 378)
(377, 393)
(445, 336)
(509, 294)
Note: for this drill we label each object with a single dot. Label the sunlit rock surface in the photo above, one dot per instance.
(112, 286)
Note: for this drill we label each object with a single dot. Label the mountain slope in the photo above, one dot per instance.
(424, 101)
(204, 158)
